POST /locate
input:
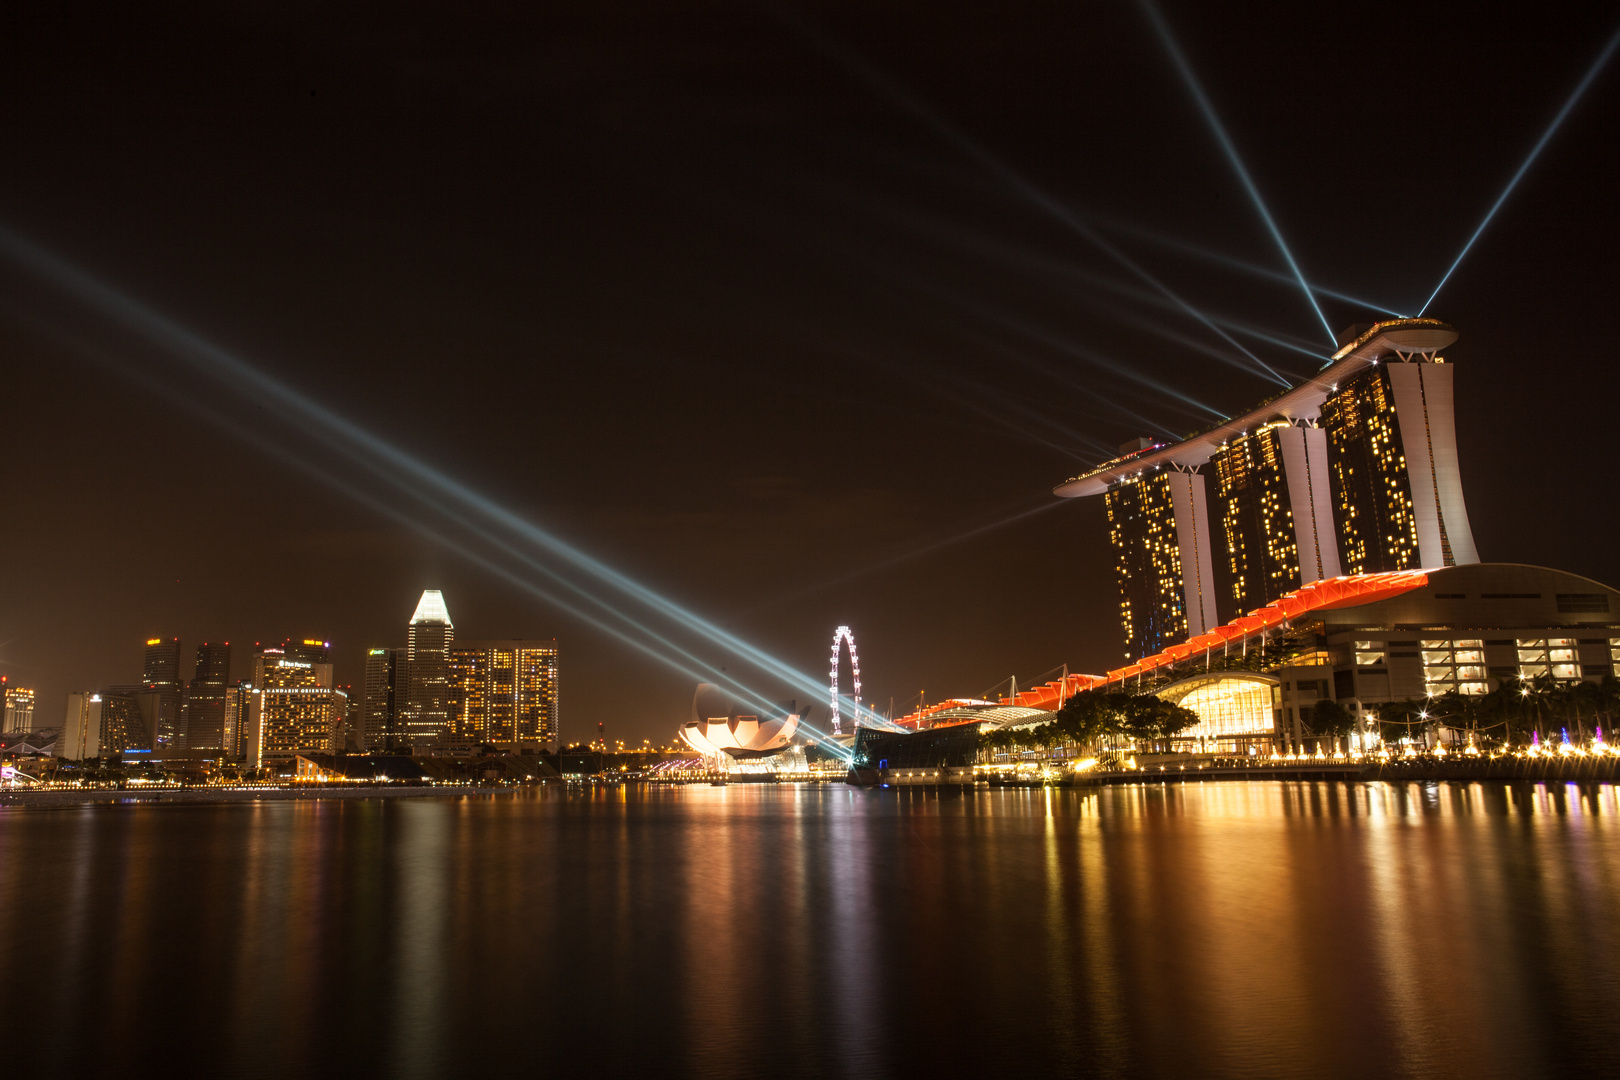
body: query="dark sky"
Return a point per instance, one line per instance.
(757, 303)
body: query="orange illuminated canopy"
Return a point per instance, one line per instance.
(1351, 591)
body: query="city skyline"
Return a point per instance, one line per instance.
(452, 452)
(971, 344)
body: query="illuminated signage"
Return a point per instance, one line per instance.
(154, 641)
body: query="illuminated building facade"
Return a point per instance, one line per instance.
(428, 641)
(205, 698)
(1353, 471)
(504, 693)
(1161, 557)
(1397, 496)
(1274, 514)
(469, 694)
(1363, 640)
(19, 706)
(294, 707)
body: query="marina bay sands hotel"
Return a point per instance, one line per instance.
(1352, 472)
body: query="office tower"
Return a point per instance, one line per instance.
(504, 693)
(238, 699)
(428, 648)
(353, 725)
(205, 698)
(1158, 526)
(468, 693)
(384, 691)
(1397, 490)
(529, 694)
(81, 729)
(294, 706)
(123, 721)
(19, 706)
(160, 680)
(1274, 513)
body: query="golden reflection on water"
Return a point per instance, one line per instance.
(1261, 929)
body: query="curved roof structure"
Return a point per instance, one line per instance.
(1396, 336)
(1350, 591)
(963, 711)
(719, 726)
(1472, 595)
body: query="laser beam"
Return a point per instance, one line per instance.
(1015, 180)
(1524, 167)
(1206, 107)
(1221, 258)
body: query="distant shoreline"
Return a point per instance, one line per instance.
(60, 799)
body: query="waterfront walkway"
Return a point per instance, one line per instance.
(1540, 769)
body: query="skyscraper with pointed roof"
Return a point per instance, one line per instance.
(427, 712)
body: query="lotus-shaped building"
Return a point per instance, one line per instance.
(720, 726)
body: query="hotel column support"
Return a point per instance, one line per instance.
(1423, 408)
(1187, 497)
(1305, 464)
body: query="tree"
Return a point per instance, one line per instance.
(1331, 720)
(1156, 721)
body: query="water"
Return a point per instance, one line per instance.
(1262, 929)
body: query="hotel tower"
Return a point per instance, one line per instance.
(1354, 471)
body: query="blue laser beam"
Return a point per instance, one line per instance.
(1015, 180)
(1080, 387)
(1206, 107)
(1221, 258)
(1530, 159)
(1034, 266)
(1091, 356)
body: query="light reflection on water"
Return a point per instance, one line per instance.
(1261, 929)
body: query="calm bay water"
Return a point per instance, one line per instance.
(1260, 929)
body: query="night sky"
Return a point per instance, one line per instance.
(761, 304)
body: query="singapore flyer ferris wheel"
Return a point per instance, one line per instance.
(841, 635)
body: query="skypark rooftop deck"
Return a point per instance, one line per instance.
(1393, 337)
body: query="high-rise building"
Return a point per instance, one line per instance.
(294, 706)
(469, 694)
(1397, 491)
(1158, 524)
(19, 707)
(238, 701)
(1274, 514)
(123, 720)
(205, 698)
(353, 735)
(1353, 471)
(81, 728)
(504, 693)
(428, 641)
(383, 699)
(160, 679)
(307, 652)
